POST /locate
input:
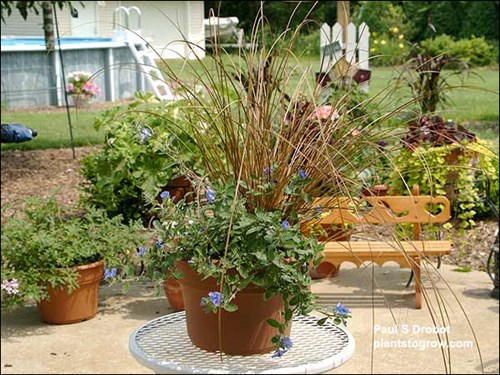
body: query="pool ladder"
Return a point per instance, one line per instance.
(143, 53)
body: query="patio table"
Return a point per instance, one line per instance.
(163, 345)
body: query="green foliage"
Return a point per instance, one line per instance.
(277, 13)
(265, 249)
(141, 155)
(473, 51)
(388, 48)
(435, 171)
(481, 19)
(42, 245)
(308, 44)
(382, 17)
(423, 74)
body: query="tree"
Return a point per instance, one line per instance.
(26, 7)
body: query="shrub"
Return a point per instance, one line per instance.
(473, 51)
(138, 159)
(388, 48)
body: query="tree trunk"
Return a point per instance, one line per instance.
(48, 25)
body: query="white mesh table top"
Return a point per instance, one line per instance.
(164, 346)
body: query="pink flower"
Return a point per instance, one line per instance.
(324, 112)
(11, 287)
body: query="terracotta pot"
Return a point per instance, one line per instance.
(326, 269)
(64, 308)
(244, 332)
(80, 101)
(173, 292)
(323, 271)
(452, 159)
(376, 190)
(178, 188)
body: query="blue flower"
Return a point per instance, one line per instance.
(268, 171)
(340, 309)
(141, 251)
(285, 224)
(382, 143)
(318, 210)
(202, 230)
(303, 175)
(110, 273)
(278, 353)
(287, 342)
(210, 195)
(165, 194)
(145, 134)
(204, 301)
(216, 298)
(159, 244)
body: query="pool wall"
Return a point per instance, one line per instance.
(32, 78)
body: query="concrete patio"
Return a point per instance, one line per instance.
(379, 322)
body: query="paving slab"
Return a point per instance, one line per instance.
(392, 337)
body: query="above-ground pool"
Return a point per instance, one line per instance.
(33, 78)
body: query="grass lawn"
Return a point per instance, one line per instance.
(53, 129)
(478, 102)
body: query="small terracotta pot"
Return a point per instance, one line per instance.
(173, 292)
(323, 271)
(64, 308)
(326, 269)
(376, 190)
(244, 332)
(178, 188)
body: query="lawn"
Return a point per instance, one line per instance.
(53, 129)
(475, 101)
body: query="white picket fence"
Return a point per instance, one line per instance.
(357, 48)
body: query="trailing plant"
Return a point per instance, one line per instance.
(42, 245)
(445, 159)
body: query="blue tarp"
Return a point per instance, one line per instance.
(17, 133)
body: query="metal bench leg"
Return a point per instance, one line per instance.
(410, 279)
(418, 282)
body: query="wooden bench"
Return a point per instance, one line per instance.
(392, 210)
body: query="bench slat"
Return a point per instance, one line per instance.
(373, 249)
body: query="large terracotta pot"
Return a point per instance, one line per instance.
(244, 332)
(173, 292)
(64, 308)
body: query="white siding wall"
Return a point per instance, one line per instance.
(165, 23)
(16, 25)
(33, 26)
(196, 33)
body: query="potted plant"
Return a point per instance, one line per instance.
(57, 259)
(142, 156)
(267, 149)
(256, 275)
(81, 88)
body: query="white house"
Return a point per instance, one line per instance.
(166, 24)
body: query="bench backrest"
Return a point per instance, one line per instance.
(385, 209)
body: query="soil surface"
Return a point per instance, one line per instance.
(40, 173)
